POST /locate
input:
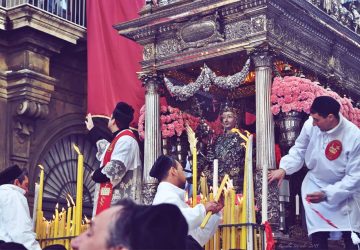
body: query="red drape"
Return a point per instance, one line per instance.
(112, 59)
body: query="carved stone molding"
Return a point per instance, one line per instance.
(32, 109)
(23, 130)
(148, 193)
(199, 32)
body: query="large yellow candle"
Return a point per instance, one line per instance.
(194, 177)
(232, 218)
(68, 224)
(56, 221)
(217, 197)
(39, 212)
(62, 225)
(79, 190)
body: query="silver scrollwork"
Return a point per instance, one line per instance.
(148, 193)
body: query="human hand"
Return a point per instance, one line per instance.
(89, 122)
(212, 206)
(316, 197)
(277, 174)
(219, 206)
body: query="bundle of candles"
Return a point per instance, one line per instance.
(61, 228)
(65, 224)
(233, 232)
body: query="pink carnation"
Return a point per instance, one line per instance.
(275, 109)
(163, 109)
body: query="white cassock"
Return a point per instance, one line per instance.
(15, 222)
(339, 178)
(169, 193)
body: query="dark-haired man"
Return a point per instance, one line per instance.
(330, 146)
(120, 159)
(172, 180)
(15, 222)
(128, 226)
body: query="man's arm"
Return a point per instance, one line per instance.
(124, 157)
(294, 160)
(94, 132)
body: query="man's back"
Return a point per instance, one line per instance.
(15, 221)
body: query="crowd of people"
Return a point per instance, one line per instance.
(329, 146)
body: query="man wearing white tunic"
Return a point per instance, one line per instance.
(120, 159)
(172, 180)
(330, 146)
(15, 222)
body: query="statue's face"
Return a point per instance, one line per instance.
(228, 120)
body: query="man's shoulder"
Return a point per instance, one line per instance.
(10, 192)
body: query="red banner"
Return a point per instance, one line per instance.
(112, 59)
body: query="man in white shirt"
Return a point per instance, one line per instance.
(15, 222)
(172, 180)
(329, 145)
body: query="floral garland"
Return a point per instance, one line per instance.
(204, 81)
(293, 93)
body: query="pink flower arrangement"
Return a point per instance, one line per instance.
(172, 121)
(293, 93)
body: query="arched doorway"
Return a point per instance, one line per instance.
(60, 163)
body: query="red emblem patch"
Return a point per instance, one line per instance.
(333, 150)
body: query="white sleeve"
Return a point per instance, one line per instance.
(202, 236)
(194, 215)
(20, 227)
(127, 151)
(350, 183)
(125, 156)
(294, 160)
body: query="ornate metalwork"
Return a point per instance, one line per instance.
(167, 48)
(199, 32)
(273, 199)
(237, 30)
(289, 125)
(150, 78)
(204, 81)
(148, 193)
(148, 52)
(347, 17)
(262, 57)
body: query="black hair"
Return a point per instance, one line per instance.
(324, 106)
(160, 169)
(119, 231)
(21, 177)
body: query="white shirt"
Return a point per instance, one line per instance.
(169, 193)
(339, 178)
(15, 222)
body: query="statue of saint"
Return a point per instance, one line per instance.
(230, 148)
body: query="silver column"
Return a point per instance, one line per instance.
(265, 140)
(152, 143)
